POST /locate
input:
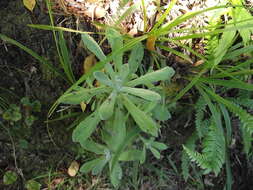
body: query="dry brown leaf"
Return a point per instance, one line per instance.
(88, 63)
(29, 4)
(150, 44)
(199, 62)
(73, 168)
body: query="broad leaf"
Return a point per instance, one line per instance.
(92, 45)
(92, 146)
(136, 57)
(163, 74)
(116, 41)
(84, 130)
(116, 175)
(103, 78)
(145, 123)
(106, 109)
(88, 166)
(81, 95)
(161, 112)
(143, 93)
(131, 155)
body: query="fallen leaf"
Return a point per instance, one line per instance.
(29, 4)
(88, 63)
(73, 168)
(200, 62)
(83, 106)
(150, 44)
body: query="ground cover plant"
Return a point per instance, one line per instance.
(127, 106)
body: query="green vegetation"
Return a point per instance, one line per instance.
(120, 108)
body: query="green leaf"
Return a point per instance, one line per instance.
(99, 166)
(102, 78)
(116, 41)
(32, 185)
(116, 129)
(106, 109)
(92, 45)
(143, 155)
(143, 93)
(10, 177)
(81, 94)
(124, 72)
(161, 113)
(116, 175)
(145, 123)
(88, 166)
(155, 152)
(136, 57)
(163, 74)
(159, 146)
(92, 146)
(84, 130)
(131, 155)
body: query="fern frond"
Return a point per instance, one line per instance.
(247, 139)
(185, 161)
(199, 116)
(213, 154)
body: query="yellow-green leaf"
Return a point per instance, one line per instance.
(29, 4)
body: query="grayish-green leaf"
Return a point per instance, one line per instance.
(163, 74)
(92, 45)
(145, 123)
(131, 155)
(161, 112)
(80, 95)
(103, 78)
(106, 109)
(88, 166)
(116, 41)
(116, 175)
(84, 130)
(136, 57)
(142, 93)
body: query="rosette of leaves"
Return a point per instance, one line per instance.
(123, 104)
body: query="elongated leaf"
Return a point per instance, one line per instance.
(84, 130)
(92, 146)
(145, 123)
(88, 166)
(143, 93)
(117, 130)
(82, 94)
(159, 146)
(136, 57)
(124, 72)
(229, 83)
(103, 78)
(66, 64)
(106, 109)
(116, 175)
(163, 74)
(92, 45)
(131, 155)
(116, 41)
(99, 166)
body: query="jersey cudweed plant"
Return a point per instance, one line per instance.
(122, 124)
